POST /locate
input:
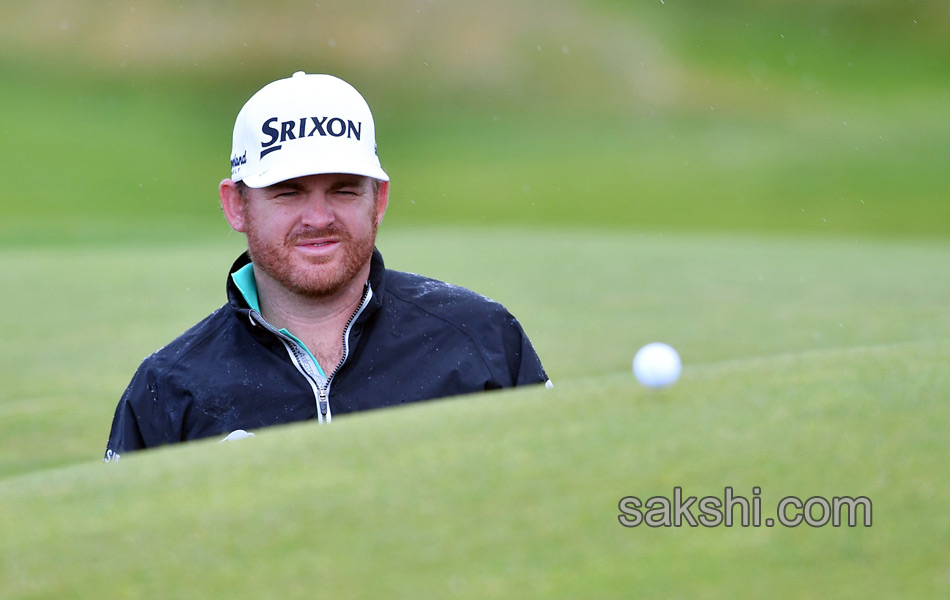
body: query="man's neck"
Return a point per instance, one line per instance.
(317, 322)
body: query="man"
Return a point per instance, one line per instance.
(315, 325)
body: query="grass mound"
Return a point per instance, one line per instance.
(516, 494)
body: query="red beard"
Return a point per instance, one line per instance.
(312, 277)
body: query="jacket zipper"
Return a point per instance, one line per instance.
(321, 393)
(324, 400)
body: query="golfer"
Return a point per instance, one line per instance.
(315, 325)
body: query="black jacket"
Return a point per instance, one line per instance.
(414, 338)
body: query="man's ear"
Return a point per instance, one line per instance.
(382, 201)
(232, 204)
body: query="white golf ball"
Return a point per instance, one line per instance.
(657, 365)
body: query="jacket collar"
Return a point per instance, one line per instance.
(235, 297)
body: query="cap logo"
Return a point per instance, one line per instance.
(237, 161)
(282, 131)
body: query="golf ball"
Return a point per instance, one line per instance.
(657, 365)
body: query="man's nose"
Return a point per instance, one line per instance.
(317, 212)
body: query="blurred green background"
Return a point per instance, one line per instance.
(825, 118)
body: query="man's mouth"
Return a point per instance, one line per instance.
(318, 245)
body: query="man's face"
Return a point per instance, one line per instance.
(313, 235)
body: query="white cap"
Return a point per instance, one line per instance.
(304, 125)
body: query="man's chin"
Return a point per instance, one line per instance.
(316, 281)
(311, 287)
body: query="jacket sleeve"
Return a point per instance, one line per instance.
(135, 426)
(524, 365)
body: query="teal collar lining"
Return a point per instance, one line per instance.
(246, 284)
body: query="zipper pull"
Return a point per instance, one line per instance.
(324, 407)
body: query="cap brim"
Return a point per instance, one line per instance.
(291, 169)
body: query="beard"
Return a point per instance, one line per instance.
(311, 277)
